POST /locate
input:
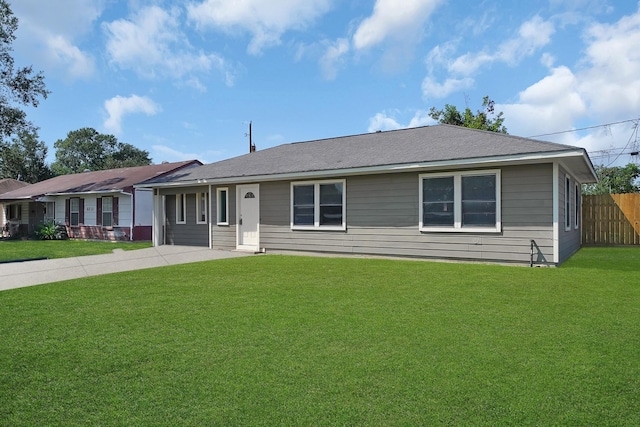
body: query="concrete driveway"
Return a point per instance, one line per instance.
(29, 273)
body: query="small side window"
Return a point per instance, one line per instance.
(222, 206)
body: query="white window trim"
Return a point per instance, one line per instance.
(182, 196)
(457, 203)
(71, 212)
(218, 211)
(567, 203)
(199, 198)
(105, 211)
(316, 206)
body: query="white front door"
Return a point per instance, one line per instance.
(248, 217)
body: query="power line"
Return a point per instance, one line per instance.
(586, 128)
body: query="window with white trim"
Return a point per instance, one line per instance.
(460, 201)
(203, 208)
(567, 203)
(318, 205)
(222, 196)
(74, 211)
(181, 208)
(107, 211)
(49, 211)
(577, 205)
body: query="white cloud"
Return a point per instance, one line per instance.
(152, 44)
(382, 121)
(48, 31)
(119, 106)
(532, 35)
(610, 78)
(333, 57)
(604, 87)
(390, 20)
(65, 54)
(266, 21)
(166, 153)
(552, 104)
(387, 121)
(433, 89)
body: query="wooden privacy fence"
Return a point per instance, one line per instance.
(611, 219)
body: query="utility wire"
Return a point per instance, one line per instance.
(631, 137)
(589, 127)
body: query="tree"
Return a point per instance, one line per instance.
(481, 120)
(17, 85)
(25, 158)
(615, 180)
(86, 148)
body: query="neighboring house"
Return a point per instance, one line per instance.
(92, 205)
(440, 191)
(6, 185)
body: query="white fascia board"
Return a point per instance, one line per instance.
(368, 170)
(88, 192)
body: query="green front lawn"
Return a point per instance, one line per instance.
(11, 250)
(285, 340)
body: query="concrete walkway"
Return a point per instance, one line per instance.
(29, 273)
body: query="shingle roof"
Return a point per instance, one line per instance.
(400, 147)
(99, 181)
(9, 184)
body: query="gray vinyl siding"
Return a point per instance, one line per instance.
(382, 219)
(224, 236)
(569, 240)
(189, 234)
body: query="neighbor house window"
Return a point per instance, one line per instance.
(577, 205)
(181, 208)
(49, 211)
(460, 201)
(318, 205)
(567, 203)
(15, 212)
(74, 211)
(222, 206)
(203, 208)
(107, 211)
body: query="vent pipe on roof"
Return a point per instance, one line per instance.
(252, 147)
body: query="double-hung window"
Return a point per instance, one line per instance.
(49, 212)
(222, 206)
(460, 201)
(203, 208)
(318, 205)
(181, 208)
(74, 211)
(107, 211)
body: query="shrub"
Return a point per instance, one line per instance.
(48, 231)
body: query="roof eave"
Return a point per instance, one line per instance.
(405, 167)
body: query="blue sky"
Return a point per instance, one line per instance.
(183, 79)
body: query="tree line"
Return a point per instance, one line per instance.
(24, 157)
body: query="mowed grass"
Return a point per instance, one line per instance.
(285, 340)
(11, 250)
